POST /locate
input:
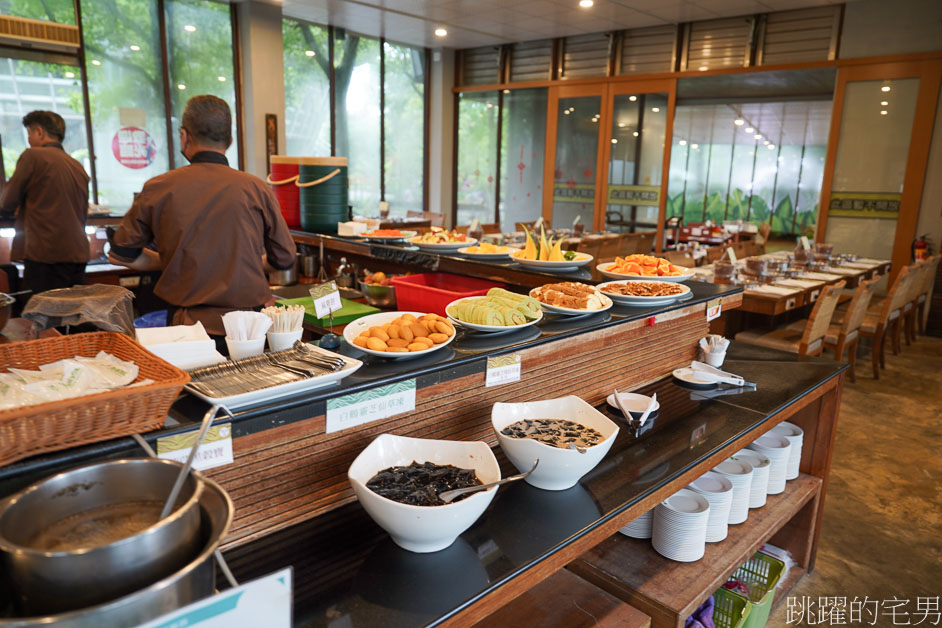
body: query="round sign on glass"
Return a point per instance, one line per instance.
(133, 147)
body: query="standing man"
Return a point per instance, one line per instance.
(216, 230)
(49, 193)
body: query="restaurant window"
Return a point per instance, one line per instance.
(125, 89)
(199, 49)
(404, 127)
(59, 11)
(307, 88)
(30, 85)
(477, 156)
(523, 143)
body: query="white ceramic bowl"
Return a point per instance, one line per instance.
(559, 469)
(423, 529)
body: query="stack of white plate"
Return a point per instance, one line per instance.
(761, 465)
(739, 474)
(718, 490)
(777, 449)
(795, 436)
(680, 525)
(640, 528)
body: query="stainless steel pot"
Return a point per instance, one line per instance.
(6, 308)
(56, 581)
(287, 277)
(195, 581)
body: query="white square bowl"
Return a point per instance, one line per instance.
(559, 469)
(423, 529)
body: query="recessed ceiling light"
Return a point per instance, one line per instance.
(506, 91)
(739, 122)
(682, 142)
(222, 79)
(181, 86)
(586, 4)
(750, 130)
(703, 68)
(758, 136)
(632, 98)
(885, 88)
(189, 28)
(656, 109)
(622, 125)
(595, 119)
(884, 103)
(70, 75)
(695, 146)
(635, 134)
(134, 47)
(440, 32)
(309, 53)
(96, 62)
(567, 112)
(883, 113)
(766, 142)
(614, 141)
(771, 146)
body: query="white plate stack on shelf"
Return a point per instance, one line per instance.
(680, 525)
(761, 465)
(777, 449)
(640, 528)
(795, 436)
(718, 490)
(739, 474)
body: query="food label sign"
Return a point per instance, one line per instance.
(133, 147)
(714, 308)
(326, 299)
(503, 369)
(214, 451)
(370, 405)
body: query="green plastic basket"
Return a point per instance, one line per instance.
(730, 609)
(761, 573)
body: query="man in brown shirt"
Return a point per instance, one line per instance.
(216, 230)
(49, 193)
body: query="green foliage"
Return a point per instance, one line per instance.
(738, 205)
(760, 210)
(59, 11)
(675, 205)
(783, 217)
(716, 208)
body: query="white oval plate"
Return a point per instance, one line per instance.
(581, 260)
(689, 377)
(493, 329)
(602, 268)
(555, 309)
(624, 299)
(504, 255)
(352, 330)
(442, 246)
(405, 235)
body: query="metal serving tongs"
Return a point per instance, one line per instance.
(705, 371)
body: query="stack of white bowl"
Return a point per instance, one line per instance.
(777, 449)
(739, 474)
(640, 528)
(761, 465)
(718, 490)
(680, 525)
(795, 436)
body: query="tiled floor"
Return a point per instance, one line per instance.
(882, 528)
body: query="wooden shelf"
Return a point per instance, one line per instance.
(670, 591)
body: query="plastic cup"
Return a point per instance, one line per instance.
(714, 358)
(281, 341)
(239, 349)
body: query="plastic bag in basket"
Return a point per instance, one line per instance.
(104, 306)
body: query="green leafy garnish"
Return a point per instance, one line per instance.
(569, 255)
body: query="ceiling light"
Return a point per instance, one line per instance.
(622, 125)
(489, 105)
(595, 119)
(632, 98)
(885, 88)
(883, 113)
(656, 109)
(506, 91)
(222, 79)
(750, 130)
(766, 142)
(703, 68)
(586, 4)
(614, 141)
(440, 32)
(635, 134)
(695, 146)
(884, 103)
(309, 53)
(771, 146)
(96, 62)
(758, 136)
(739, 122)
(135, 47)
(70, 75)
(567, 112)
(181, 86)
(682, 142)
(189, 28)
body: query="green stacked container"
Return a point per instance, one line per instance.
(730, 609)
(326, 203)
(761, 574)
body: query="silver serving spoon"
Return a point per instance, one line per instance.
(578, 448)
(449, 496)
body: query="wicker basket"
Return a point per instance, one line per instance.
(56, 425)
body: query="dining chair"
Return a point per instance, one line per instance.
(714, 253)
(679, 258)
(764, 230)
(591, 245)
(438, 220)
(529, 225)
(628, 245)
(810, 339)
(844, 332)
(925, 291)
(884, 314)
(646, 242)
(609, 247)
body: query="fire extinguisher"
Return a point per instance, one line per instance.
(921, 248)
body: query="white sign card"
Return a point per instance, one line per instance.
(503, 369)
(215, 450)
(326, 298)
(263, 602)
(714, 308)
(370, 405)
(804, 243)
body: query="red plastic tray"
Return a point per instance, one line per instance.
(431, 292)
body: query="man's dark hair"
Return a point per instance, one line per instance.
(49, 121)
(208, 120)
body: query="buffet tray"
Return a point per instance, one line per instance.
(256, 380)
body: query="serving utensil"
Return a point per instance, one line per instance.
(578, 448)
(647, 411)
(449, 496)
